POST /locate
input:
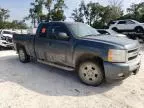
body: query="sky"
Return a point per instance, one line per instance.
(20, 8)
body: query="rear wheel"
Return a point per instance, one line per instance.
(139, 30)
(90, 73)
(23, 57)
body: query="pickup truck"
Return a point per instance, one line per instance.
(77, 46)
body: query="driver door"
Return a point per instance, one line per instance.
(122, 25)
(60, 47)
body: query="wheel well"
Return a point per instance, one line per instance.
(138, 27)
(114, 28)
(89, 57)
(18, 46)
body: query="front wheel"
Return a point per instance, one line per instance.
(90, 73)
(115, 29)
(23, 57)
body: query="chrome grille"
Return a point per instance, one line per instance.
(132, 54)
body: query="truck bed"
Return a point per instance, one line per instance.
(23, 37)
(25, 40)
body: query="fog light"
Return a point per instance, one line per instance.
(121, 75)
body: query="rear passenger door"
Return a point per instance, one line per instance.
(130, 24)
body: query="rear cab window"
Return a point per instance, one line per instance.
(43, 31)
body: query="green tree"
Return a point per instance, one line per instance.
(77, 15)
(48, 5)
(13, 25)
(136, 12)
(88, 13)
(55, 10)
(35, 12)
(58, 11)
(97, 15)
(4, 14)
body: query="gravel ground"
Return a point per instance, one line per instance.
(35, 85)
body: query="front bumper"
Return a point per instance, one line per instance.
(118, 71)
(10, 45)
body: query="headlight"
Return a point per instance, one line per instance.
(116, 55)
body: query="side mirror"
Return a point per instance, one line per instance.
(63, 36)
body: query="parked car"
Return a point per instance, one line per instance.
(7, 35)
(127, 26)
(111, 32)
(5, 45)
(77, 46)
(6, 39)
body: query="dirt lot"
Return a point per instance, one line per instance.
(36, 85)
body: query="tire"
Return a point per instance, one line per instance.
(90, 73)
(23, 57)
(139, 30)
(115, 29)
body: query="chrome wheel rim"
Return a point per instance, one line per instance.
(90, 73)
(21, 55)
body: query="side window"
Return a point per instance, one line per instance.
(59, 33)
(111, 23)
(130, 22)
(122, 22)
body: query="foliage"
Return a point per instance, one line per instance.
(77, 15)
(95, 14)
(136, 12)
(13, 25)
(4, 24)
(4, 14)
(55, 11)
(35, 12)
(91, 13)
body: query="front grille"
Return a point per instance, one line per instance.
(131, 58)
(132, 54)
(132, 50)
(8, 39)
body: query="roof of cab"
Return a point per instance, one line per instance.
(64, 22)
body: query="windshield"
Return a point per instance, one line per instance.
(82, 30)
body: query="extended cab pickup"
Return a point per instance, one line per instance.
(78, 46)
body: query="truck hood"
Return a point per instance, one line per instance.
(120, 41)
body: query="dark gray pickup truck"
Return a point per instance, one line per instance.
(79, 47)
